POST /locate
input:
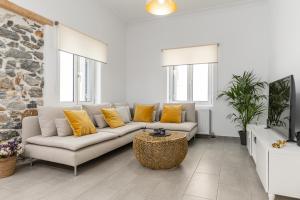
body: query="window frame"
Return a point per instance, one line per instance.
(170, 85)
(76, 77)
(93, 65)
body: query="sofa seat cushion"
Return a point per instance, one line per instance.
(123, 130)
(186, 126)
(71, 142)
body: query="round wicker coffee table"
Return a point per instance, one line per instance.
(160, 152)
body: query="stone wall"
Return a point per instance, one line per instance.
(21, 70)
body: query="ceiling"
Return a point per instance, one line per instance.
(134, 10)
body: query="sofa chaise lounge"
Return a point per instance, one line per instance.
(73, 151)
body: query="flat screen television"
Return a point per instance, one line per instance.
(281, 112)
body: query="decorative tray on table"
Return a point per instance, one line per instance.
(160, 133)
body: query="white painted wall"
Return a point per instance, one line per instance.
(285, 48)
(96, 21)
(242, 32)
(134, 73)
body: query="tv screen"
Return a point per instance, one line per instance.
(281, 103)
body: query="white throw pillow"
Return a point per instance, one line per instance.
(124, 113)
(100, 122)
(63, 127)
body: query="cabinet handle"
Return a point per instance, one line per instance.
(255, 140)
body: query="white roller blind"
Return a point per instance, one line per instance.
(190, 55)
(78, 43)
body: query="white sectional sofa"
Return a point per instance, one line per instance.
(73, 151)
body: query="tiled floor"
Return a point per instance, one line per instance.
(214, 169)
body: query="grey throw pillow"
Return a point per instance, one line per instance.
(63, 127)
(100, 122)
(124, 112)
(95, 109)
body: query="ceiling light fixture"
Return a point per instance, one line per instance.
(161, 7)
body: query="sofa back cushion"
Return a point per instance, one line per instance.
(95, 109)
(115, 105)
(47, 116)
(190, 111)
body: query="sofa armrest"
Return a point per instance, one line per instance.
(30, 128)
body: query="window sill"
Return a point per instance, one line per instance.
(75, 104)
(199, 106)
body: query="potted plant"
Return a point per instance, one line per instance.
(245, 96)
(9, 151)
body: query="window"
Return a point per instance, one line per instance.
(190, 73)
(80, 61)
(85, 79)
(77, 78)
(191, 83)
(180, 84)
(66, 77)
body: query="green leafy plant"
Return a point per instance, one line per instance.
(245, 96)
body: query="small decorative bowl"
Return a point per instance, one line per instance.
(160, 133)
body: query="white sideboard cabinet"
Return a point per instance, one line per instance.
(278, 169)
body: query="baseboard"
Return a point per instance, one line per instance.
(199, 135)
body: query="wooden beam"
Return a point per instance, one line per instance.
(25, 12)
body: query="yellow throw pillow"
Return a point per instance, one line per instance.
(171, 114)
(80, 122)
(143, 113)
(112, 117)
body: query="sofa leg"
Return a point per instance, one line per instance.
(193, 139)
(75, 170)
(31, 162)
